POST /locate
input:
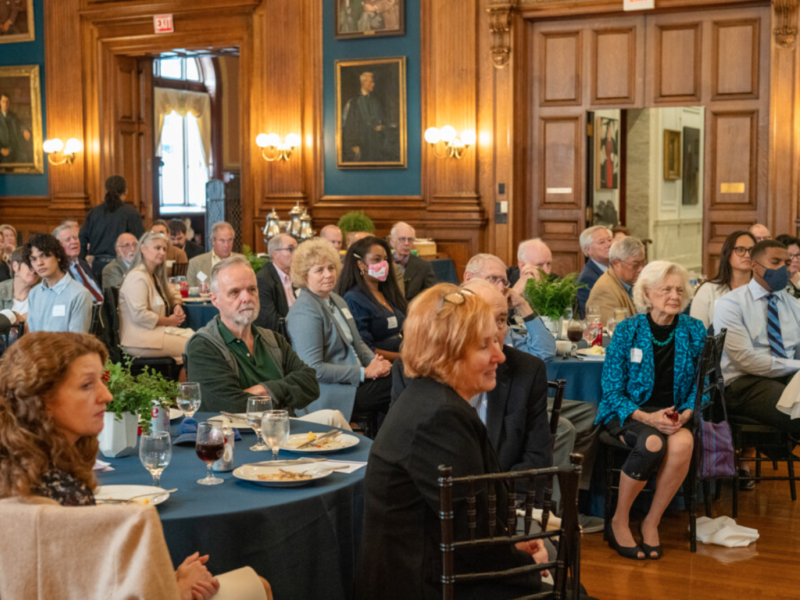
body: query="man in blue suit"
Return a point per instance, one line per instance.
(595, 243)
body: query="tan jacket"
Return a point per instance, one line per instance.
(609, 293)
(140, 306)
(176, 254)
(201, 264)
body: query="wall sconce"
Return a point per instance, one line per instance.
(68, 152)
(272, 148)
(454, 146)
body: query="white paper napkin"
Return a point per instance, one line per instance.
(100, 465)
(789, 402)
(352, 466)
(724, 531)
(202, 276)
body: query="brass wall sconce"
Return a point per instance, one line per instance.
(453, 146)
(273, 148)
(58, 153)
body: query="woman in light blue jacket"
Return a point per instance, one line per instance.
(648, 397)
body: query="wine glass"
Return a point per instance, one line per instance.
(209, 448)
(275, 427)
(188, 398)
(256, 407)
(592, 311)
(611, 325)
(620, 314)
(574, 334)
(155, 452)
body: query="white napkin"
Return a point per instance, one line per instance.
(202, 276)
(789, 402)
(352, 466)
(100, 465)
(724, 531)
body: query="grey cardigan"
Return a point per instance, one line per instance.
(321, 344)
(7, 294)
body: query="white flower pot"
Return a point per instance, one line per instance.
(119, 437)
(554, 326)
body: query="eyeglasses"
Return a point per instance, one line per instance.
(742, 251)
(455, 298)
(405, 240)
(289, 249)
(495, 279)
(639, 264)
(794, 257)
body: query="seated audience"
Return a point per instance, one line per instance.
(52, 406)
(760, 232)
(763, 323)
(14, 292)
(222, 236)
(532, 256)
(433, 423)
(275, 291)
(614, 288)
(177, 237)
(58, 303)
(376, 303)
(333, 234)
(324, 335)
(115, 271)
(418, 273)
(150, 311)
(8, 238)
(648, 398)
(793, 247)
(78, 269)
(174, 255)
(735, 270)
(619, 231)
(595, 242)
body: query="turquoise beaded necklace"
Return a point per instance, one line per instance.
(665, 342)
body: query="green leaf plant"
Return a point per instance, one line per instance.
(551, 296)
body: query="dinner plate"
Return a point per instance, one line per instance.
(586, 355)
(240, 422)
(251, 473)
(340, 442)
(197, 300)
(123, 492)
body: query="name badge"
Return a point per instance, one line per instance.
(159, 301)
(636, 355)
(60, 310)
(391, 322)
(346, 313)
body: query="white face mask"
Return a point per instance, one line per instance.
(379, 271)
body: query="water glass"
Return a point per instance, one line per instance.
(592, 311)
(209, 448)
(275, 428)
(611, 325)
(256, 407)
(620, 314)
(155, 452)
(188, 398)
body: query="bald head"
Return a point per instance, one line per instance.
(360, 235)
(126, 247)
(760, 232)
(333, 234)
(535, 253)
(402, 239)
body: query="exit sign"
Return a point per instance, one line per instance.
(639, 4)
(163, 24)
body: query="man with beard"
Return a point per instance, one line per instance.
(115, 271)
(232, 359)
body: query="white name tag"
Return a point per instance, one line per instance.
(159, 301)
(346, 313)
(636, 355)
(391, 322)
(60, 310)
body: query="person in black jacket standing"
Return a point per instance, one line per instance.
(275, 291)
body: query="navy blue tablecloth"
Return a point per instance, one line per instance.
(445, 270)
(303, 540)
(198, 314)
(583, 378)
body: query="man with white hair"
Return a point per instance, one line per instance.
(222, 236)
(418, 274)
(614, 288)
(115, 271)
(79, 269)
(333, 234)
(232, 359)
(275, 292)
(533, 256)
(760, 232)
(595, 243)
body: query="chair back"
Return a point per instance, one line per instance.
(559, 386)
(95, 324)
(505, 534)
(15, 332)
(180, 269)
(708, 376)
(111, 319)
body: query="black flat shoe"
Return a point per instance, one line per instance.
(649, 550)
(629, 552)
(746, 484)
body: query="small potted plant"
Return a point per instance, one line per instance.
(551, 297)
(255, 261)
(353, 222)
(132, 405)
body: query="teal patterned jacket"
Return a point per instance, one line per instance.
(627, 384)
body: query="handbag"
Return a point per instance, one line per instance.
(715, 457)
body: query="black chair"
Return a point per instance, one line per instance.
(558, 398)
(96, 321)
(367, 421)
(16, 331)
(708, 380)
(504, 534)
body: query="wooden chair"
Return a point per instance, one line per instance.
(180, 269)
(568, 557)
(558, 398)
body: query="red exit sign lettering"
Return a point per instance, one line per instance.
(639, 4)
(163, 24)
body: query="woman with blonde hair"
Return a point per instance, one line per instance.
(8, 238)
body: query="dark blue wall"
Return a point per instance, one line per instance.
(358, 182)
(24, 54)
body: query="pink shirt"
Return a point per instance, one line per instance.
(287, 286)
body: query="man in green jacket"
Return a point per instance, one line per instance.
(232, 359)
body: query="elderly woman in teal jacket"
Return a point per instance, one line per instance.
(648, 397)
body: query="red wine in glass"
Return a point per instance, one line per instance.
(209, 452)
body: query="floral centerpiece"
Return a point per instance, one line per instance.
(551, 297)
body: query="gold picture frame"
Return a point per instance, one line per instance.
(21, 129)
(357, 19)
(672, 155)
(371, 120)
(20, 13)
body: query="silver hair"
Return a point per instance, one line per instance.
(219, 225)
(587, 236)
(478, 262)
(398, 224)
(160, 272)
(57, 231)
(524, 245)
(652, 275)
(363, 77)
(232, 261)
(625, 248)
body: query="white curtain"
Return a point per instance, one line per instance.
(184, 103)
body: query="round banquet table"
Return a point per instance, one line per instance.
(303, 540)
(584, 378)
(198, 314)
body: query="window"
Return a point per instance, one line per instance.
(186, 69)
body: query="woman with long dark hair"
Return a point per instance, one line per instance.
(734, 271)
(368, 286)
(106, 222)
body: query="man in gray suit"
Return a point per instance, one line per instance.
(222, 235)
(418, 274)
(115, 271)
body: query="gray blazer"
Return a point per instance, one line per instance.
(321, 344)
(114, 273)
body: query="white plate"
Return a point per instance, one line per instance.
(175, 413)
(123, 492)
(587, 356)
(195, 299)
(342, 441)
(251, 472)
(240, 422)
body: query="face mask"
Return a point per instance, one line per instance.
(379, 271)
(776, 279)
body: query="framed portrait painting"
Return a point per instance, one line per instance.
(371, 113)
(691, 166)
(607, 153)
(672, 155)
(369, 18)
(20, 121)
(16, 21)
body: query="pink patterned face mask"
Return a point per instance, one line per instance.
(379, 271)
